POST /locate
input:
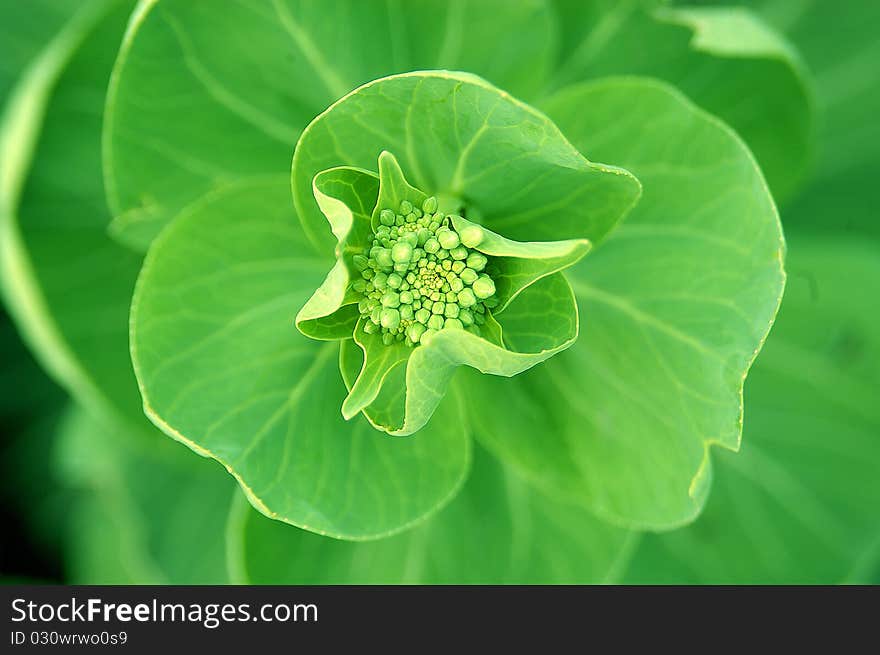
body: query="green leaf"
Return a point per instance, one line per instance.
(144, 510)
(222, 369)
(531, 339)
(799, 505)
(68, 286)
(345, 196)
(177, 87)
(472, 146)
(499, 530)
(724, 58)
(675, 305)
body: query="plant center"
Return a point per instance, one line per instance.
(420, 276)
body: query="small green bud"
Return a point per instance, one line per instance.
(380, 281)
(389, 318)
(423, 235)
(435, 322)
(427, 304)
(359, 285)
(432, 245)
(466, 298)
(456, 285)
(411, 217)
(422, 315)
(438, 307)
(414, 332)
(383, 231)
(465, 316)
(370, 327)
(484, 287)
(386, 217)
(390, 299)
(452, 323)
(451, 310)
(459, 253)
(360, 262)
(472, 235)
(406, 312)
(476, 261)
(457, 267)
(387, 338)
(383, 258)
(406, 207)
(430, 205)
(401, 252)
(394, 281)
(376, 315)
(399, 221)
(442, 254)
(406, 298)
(448, 239)
(451, 296)
(469, 276)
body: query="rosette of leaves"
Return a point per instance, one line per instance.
(421, 292)
(674, 303)
(507, 168)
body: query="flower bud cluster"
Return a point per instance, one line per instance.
(421, 276)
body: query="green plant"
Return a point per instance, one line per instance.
(445, 329)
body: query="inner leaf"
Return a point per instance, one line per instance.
(407, 271)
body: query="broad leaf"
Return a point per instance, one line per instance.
(67, 284)
(222, 369)
(675, 305)
(185, 77)
(472, 146)
(799, 504)
(725, 59)
(499, 530)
